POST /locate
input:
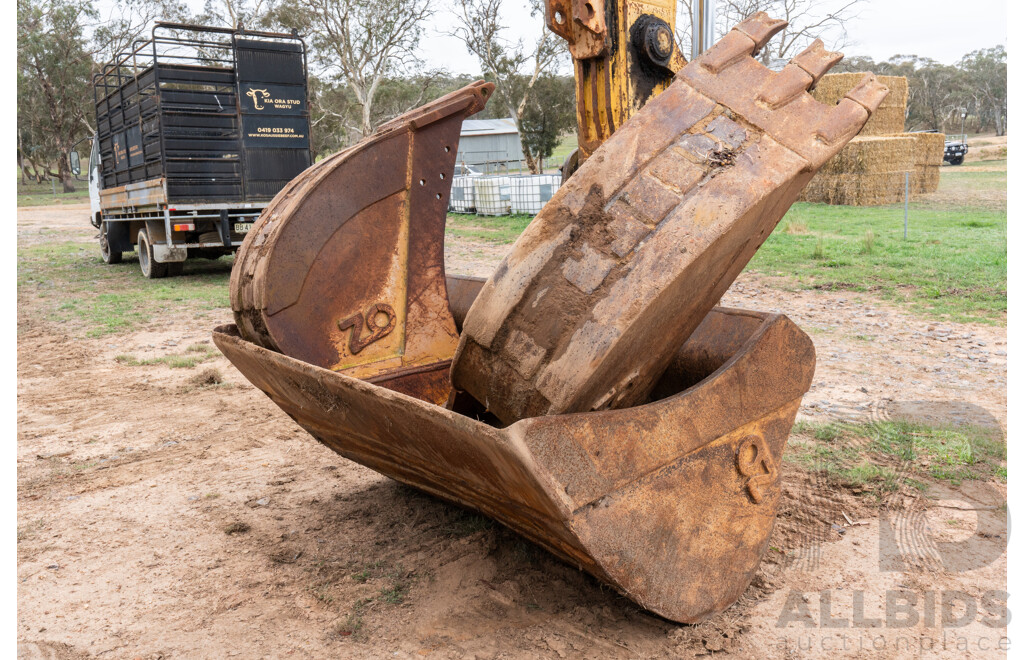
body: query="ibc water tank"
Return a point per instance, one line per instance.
(462, 195)
(492, 195)
(530, 193)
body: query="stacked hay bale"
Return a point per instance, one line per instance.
(887, 119)
(930, 149)
(870, 170)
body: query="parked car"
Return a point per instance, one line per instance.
(956, 149)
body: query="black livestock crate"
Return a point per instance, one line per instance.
(221, 115)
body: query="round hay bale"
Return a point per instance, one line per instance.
(890, 115)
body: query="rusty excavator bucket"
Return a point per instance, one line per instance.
(588, 395)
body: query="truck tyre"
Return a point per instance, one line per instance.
(959, 160)
(110, 255)
(151, 269)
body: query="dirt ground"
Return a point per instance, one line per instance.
(163, 515)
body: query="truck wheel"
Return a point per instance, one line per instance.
(109, 256)
(151, 269)
(959, 160)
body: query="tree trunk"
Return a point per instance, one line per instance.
(531, 162)
(66, 178)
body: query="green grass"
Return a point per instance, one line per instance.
(71, 285)
(951, 267)
(41, 194)
(565, 147)
(172, 361)
(501, 230)
(882, 457)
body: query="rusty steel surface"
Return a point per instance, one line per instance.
(345, 267)
(629, 256)
(140, 195)
(672, 502)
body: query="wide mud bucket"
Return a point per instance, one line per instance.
(671, 502)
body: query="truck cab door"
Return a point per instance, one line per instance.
(94, 178)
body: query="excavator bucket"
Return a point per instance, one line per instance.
(634, 250)
(655, 467)
(345, 267)
(671, 502)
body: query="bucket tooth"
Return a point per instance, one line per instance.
(745, 39)
(786, 86)
(760, 28)
(817, 61)
(846, 119)
(801, 74)
(633, 251)
(345, 267)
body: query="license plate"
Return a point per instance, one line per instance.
(242, 227)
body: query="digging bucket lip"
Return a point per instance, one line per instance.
(229, 332)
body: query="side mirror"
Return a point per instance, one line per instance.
(75, 162)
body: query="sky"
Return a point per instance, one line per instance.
(944, 30)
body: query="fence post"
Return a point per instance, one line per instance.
(906, 202)
(53, 184)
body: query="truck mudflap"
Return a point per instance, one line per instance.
(671, 502)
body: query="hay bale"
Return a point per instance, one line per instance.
(858, 189)
(873, 154)
(925, 179)
(890, 115)
(870, 170)
(929, 149)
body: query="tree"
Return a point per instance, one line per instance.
(549, 114)
(514, 68)
(54, 66)
(984, 83)
(360, 42)
(236, 13)
(808, 20)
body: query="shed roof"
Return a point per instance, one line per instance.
(488, 126)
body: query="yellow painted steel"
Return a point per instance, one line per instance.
(613, 77)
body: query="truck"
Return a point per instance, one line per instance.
(197, 129)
